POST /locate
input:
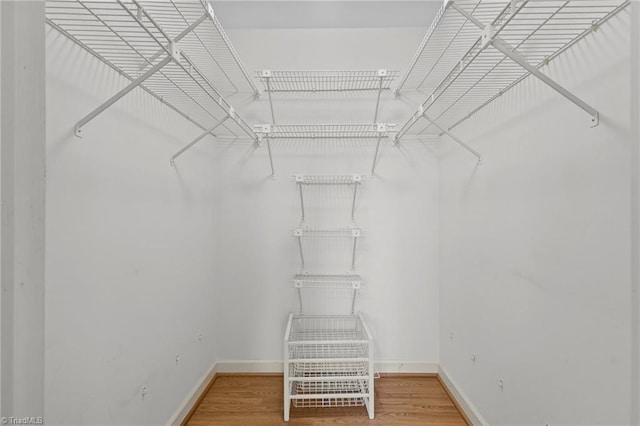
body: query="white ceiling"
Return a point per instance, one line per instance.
(326, 13)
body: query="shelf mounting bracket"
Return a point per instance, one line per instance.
(453, 137)
(490, 37)
(209, 131)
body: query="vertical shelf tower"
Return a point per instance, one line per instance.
(328, 359)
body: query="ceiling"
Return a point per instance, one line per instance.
(326, 13)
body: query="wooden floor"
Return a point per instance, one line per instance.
(258, 400)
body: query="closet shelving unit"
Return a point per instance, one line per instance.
(305, 180)
(328, 359)
(345, 132)
(177, 52)
(476, 50)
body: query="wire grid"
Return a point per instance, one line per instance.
(130, 40)
(539, 31)
(328, 369)
(328, 351)
(328, 281)
(208, 46)
(327, 131)
(327, 232)
(328, 179)
(339, 394)
(326, 81)
(326, 328)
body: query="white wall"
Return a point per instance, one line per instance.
(22, 204)
(535, 247)
(130, 251)
(397, 208)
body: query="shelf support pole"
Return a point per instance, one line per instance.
(273, 172)
(353, 203)
(381, 75)
(375, 157)
(198, 139)
(454, 137)
(135, 83)
(301, 200)
(300, 248)
(353, 256)
(273, 117)
(490, 38)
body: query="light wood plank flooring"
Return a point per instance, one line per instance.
(258, 400)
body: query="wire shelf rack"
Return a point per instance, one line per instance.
(328, 281)
(325, 131)
(326, 232)
(476, 50)
(328, 179)
(176, 51)
(326, 81)
(328, 362)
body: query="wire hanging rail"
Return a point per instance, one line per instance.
(475, 50)
(303, 180)
(378, 132)
(376, 81)
(354, 233)
(176, 51)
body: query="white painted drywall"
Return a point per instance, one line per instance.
(23, 206)
(535, 247)
(397, 208)
(130, 251)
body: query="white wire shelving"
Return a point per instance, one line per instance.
(176, 51)
(476, 50)
(303, 180)
(341, 282)
(299, 81)
(328, 362)
(317, 132)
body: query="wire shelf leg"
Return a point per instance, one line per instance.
(115, 98)
(273, 172)
(300, 299)
(375, 159)
(353, 256)
(301, 255)
(198, 139)
(273, 117)
(375, 117)
(353, 203)
(301, 200)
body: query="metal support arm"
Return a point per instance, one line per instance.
(454, 137)
(135, 83)
(198, 139)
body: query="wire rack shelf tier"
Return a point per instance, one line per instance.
(328, 362)
(327, 281)
(476, 50)
(326, 81)
(328, 179)
(325, 131)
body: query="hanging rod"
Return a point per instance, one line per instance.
(476, 50)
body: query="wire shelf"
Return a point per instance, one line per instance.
(327, 328)
(326, 81)
(325, 131)
(328, 281)
(464, 73)
(329, 369)
(175, 50)
(328, 179)
(329, 233)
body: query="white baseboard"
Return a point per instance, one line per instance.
(419, 367)
(254, 366)
(469, 409)
(249, 366)
(184, 409)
